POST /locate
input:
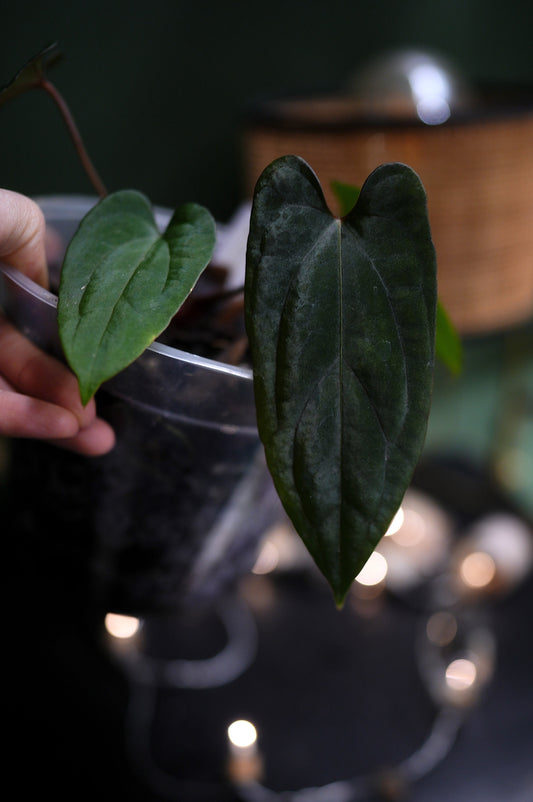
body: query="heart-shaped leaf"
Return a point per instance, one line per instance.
(122, 282)
(341, 320)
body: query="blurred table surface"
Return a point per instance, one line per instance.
(333, 694)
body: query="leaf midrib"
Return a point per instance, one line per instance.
(118, 300)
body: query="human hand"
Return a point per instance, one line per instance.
(39, 397)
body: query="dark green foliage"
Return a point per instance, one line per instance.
(341, 319)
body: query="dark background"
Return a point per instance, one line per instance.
(160, 89)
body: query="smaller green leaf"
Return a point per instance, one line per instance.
(346, 195)
(448, 346)
(122, 282)
(31, 73)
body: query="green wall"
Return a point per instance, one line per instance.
(159, 88)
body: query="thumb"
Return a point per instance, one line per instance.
(22, 229)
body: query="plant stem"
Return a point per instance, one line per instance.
(75, 135)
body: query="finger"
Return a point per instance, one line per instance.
(32, 372)
(96, 440)
(22, 229)
(22, 416)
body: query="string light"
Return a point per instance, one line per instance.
(374, 571)
(441, 628)
(477, 570)
(412, 529)
(396, 523)
(461, 674)
(458, 656)
(495, 554)
(242, 735)
(416, 543)
(281, 550)
(121, 626)
(245, 763)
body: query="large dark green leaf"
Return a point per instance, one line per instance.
(341, 320)
(448, 346)
(122, 282)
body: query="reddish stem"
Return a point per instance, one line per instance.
(75, 135)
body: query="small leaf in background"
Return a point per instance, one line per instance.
(346, 195)
(31, 73)
(448, 346)
(340, 316)
(122, 282)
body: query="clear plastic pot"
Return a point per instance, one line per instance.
(174, 513)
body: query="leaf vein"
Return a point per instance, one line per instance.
(121, 298)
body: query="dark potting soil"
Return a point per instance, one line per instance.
(211, 321)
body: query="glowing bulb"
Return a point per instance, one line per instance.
(245, 764)
(412, 531)
(267, 559)
(396, 523)
(374, 570)
(461, 674)
(242, 734)
(121, 626)
(441, 628)
(507, 540)
(478, 569)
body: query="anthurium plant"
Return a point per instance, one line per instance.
(340, 316)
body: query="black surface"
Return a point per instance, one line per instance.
(333, 695)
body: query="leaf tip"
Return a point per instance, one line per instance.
(340, 595)
(87, 391)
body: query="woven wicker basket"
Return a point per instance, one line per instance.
(478, 175)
